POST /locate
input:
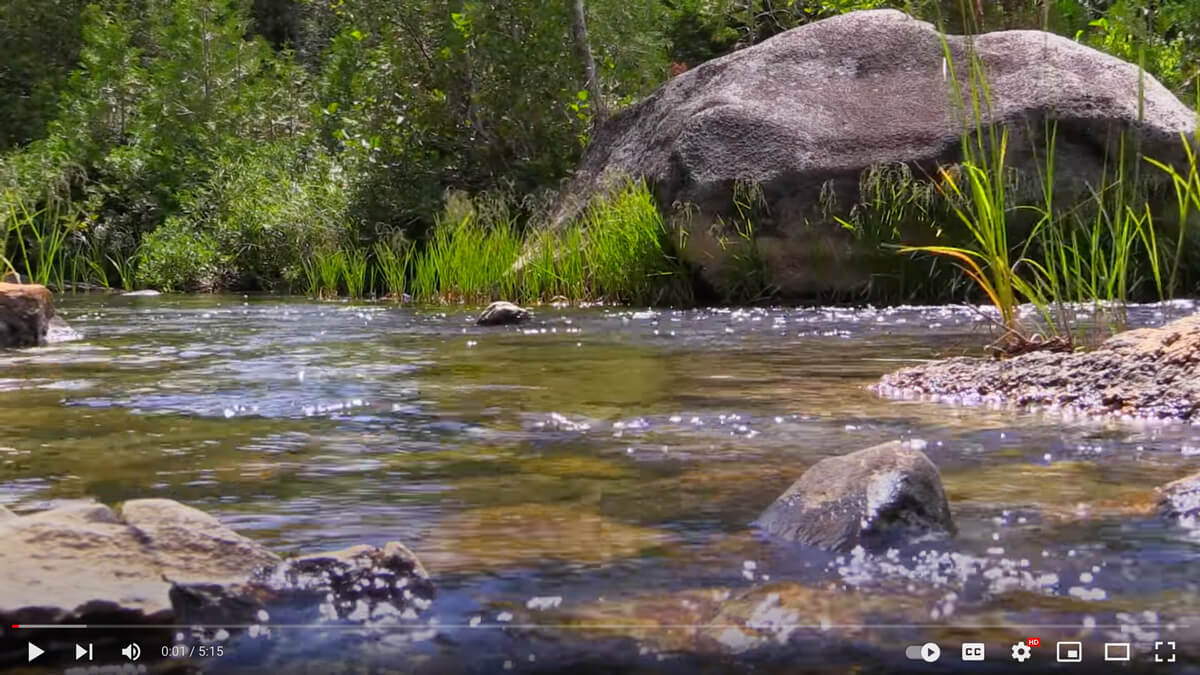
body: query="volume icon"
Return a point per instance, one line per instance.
(132, 651)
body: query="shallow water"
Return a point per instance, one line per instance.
(581, 487)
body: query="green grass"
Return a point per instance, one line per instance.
(355, 272)
(1186, 187)
(619, 250)
(40, 235)
(393, 264)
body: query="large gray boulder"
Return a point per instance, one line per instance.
(878, 497)
(807, 112)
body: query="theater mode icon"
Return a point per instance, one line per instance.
(972, 651)
(1116, 651)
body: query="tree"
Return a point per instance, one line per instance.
(579, 34)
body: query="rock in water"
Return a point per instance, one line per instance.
(502, 314)
(60, 331)
(1180, 499)
(83, 561)
(872, 497)
(361, 583)
(25, 314)
(159, 562)
(807, 112)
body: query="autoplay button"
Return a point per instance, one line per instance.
(930, 652)
(35, 651)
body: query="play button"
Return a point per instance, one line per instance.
(930, 652)
(35, 651)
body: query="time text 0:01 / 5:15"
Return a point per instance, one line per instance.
(193, 651)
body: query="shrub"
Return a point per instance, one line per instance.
(177, 257)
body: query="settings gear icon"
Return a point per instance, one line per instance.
(1020, 652)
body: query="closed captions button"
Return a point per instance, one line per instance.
(972, 651)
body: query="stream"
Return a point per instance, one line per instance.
(581, 487)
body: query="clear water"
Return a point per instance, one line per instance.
(593, 475)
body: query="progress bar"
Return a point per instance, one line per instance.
(1172, 627)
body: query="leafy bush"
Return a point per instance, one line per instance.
(177, 257)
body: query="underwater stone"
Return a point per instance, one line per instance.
(875, 498)
(1180, 499)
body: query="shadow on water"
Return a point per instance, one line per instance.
(581, 487)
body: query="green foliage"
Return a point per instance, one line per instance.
(393, 265)
(176, 257)
(743, 276)
(471, 253)
(1162, 35)
(355, 273)
(268, 209)
(234, 143)
(705, 29)
(629, 251)
(1186, 186)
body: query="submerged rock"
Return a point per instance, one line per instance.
(60, 331)
(808, 115)
(872, 498)
(25, 314)
(1147, 373)
(361, 583)
(1181, 500)
(147, 293)
(502, 313)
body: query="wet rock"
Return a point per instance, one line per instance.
(148, 293)
(157, 561)
(1148, 373)
(873, 497)
(807, 114)
(25, 314)
(60, 331)
(85, 560)
(361, 583)
(1181, 500)
(502, 314)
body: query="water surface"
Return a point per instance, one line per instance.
(581, 487)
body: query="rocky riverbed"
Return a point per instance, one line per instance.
(1146, 374)
(580, 488)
